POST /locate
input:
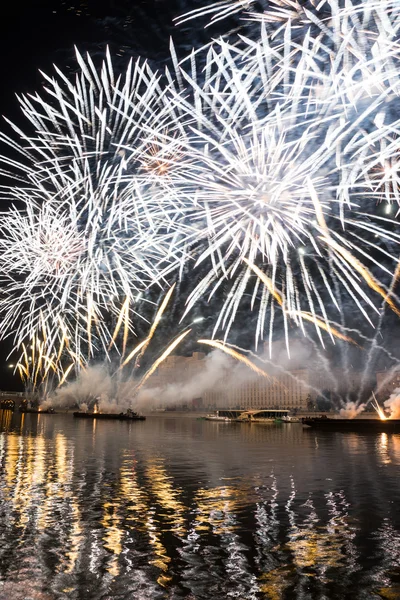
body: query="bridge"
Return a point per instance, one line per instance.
(13, 395)
(16, 396)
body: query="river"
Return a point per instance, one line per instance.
(175, 507)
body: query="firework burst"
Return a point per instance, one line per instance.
(276, 181)
(91, 223)
(263, 168)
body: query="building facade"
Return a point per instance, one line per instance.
(190, 382)
(279, 390)
(282, 390)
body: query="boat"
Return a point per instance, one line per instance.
(361, 425)
(128, 416)
(263, 416)
(224, 415)
(220, 419)
(291, 419)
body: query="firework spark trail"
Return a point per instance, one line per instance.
(373, 343)
(219, 10)
(378, 409)
(66, 373)
(277, 11)
(122, 318)
(322, 324)
(133, 353)
(156, 321)
(161, 359)
(369, 278)
(231, 352)
(35, 370)
(40, 372)
(266, 281)
(256, 192)
(255, 159)
(312, 318)
(74, 249)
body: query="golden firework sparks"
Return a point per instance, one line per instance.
(322, 325)
(163, 356)
(269, 284)
(243, 359)
(133, 353)
(157, 319)
(363, 271)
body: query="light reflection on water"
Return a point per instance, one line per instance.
(180, 508)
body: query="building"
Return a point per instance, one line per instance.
(177, 372)
(289, 390)
(326, 382)
(295, 382)
(187, 377)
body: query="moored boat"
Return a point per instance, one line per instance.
(362, 425)
(218, 418)
(224, 415)
(263, 416)
(291, 419)
(128, 416)
(7, 405)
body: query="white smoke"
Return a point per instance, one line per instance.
(393, 404)
(95, 385)
(221, 374)
(46, 404)
(217, 369)
(217, 373)
(351, 410)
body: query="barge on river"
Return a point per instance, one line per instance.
(361, 425)
(249, 416)
(128, 416)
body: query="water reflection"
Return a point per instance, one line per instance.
(181, 509)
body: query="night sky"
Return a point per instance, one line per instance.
(35, 34)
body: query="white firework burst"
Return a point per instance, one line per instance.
(298, 12)
(58, 281)
(272, 170)
(266, 163)
(94, 223)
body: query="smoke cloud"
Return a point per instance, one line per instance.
(393, 404)
(95, 384)
(217, 373)
(351, 410)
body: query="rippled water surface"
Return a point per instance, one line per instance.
(175, 507)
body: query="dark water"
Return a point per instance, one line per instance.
(180, 508)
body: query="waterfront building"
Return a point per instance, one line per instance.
(288, 390)
(326, 382)
(188, 376)
(192, 382)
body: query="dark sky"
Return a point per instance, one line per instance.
(35, 34)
